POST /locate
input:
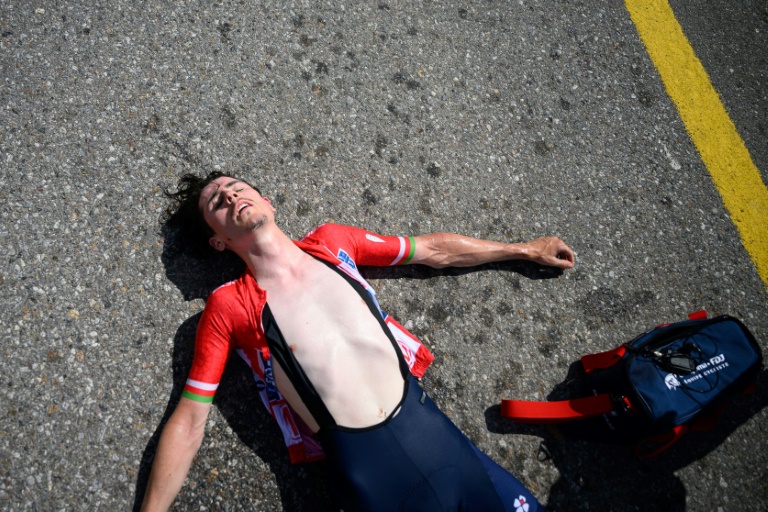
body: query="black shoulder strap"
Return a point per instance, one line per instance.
(282, 353)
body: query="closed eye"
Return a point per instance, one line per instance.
(218, 199)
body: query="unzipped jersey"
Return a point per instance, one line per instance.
(232, 321)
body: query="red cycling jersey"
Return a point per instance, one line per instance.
(232, 321)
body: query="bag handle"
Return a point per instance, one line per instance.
(525, 411)
(603, 360)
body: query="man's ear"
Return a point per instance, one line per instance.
(216, 243)
(269, 203)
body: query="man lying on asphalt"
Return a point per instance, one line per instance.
(337, 374)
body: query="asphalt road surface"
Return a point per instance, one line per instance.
(507, 120)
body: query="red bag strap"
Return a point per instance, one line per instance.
(698, 315)
(524, 411)
(602, 360)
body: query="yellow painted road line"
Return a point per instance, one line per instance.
(714, 134)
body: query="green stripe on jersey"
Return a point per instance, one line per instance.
(198, 398)
(413, 250)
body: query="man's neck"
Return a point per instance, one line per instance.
(271, 255)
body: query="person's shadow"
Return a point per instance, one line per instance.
(527, 269)
(301, 487)
(595, 476)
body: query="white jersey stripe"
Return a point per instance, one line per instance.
(401, 253)
(202, 385)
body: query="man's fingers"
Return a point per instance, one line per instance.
(553, 252)
(566, 254)
(563, 257)
(564, 260)
(559, 261)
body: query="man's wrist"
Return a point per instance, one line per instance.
(518, 251)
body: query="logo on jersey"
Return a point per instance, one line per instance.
(408, 354)
(269, 377)
(346, 258)
(521, 504)
(285, 419)
(373, 238)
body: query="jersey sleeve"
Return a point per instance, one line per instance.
(363, 246)
(213, 344)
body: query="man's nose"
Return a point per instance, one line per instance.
(230, 195)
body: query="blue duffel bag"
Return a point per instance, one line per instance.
(653, 389)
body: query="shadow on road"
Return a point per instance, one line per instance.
(526, 269)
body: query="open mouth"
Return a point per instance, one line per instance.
(240, 208)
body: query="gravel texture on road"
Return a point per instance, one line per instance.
(504, 120)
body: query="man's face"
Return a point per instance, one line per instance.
(232, 209)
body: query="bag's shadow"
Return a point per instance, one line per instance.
(595, 476)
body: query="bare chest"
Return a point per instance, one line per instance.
(322, 317)
(340, 345)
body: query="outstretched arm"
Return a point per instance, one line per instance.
(441, 250)
(179, 442)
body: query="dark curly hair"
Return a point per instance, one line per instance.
(184, 213)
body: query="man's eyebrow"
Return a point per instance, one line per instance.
(215, 194)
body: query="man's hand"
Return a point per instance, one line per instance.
(552, 251)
